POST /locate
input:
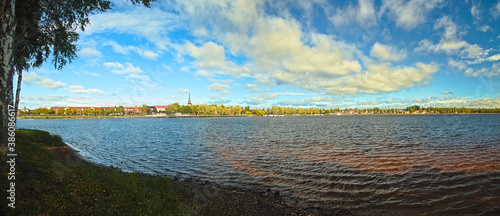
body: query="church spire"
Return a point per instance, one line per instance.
(189, 100)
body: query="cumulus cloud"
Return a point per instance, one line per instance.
(447, 92)
(451, 43)
(387, 53)
(381, 78)
(45, 82)
(409, 14)
(219, 88)
(276, 51)
(81, 89)
(210, 57)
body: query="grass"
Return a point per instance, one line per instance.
(47, 184)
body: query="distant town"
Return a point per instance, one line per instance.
(220, 110)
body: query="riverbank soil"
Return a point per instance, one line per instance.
(52, 179)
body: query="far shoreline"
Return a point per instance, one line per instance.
(231, 116)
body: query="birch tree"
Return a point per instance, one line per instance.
(32, 31)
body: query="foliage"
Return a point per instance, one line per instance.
(214, 109)
(186, 110)
(259, 112)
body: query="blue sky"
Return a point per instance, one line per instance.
(326, 54)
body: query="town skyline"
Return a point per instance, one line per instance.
(264, 53)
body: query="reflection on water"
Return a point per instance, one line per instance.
(430, 165)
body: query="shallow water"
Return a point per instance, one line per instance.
(425, 164)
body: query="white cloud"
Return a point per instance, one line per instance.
(263, 98)
(128, 69)
(114, 65)
(81, 89)
(219, 88)
(318, 99)
(452, 44)
(183, 91)
(45, 82)
(381, 78)
(218, 99)
(458, 102)
(457, 64)
(276, 51)
(90, 52)
(495, 57)
(130, 72)
(211, 57)
(125, 50)
(484, 28)
(447, 92)
(475, 12)
(387, 53)
(252, 88)
(150, 23)
(289, 93)
(150, 54)
(204, 73)
(364, 103)
(91, 74)
(363, 14)
(409, 14)
(495, 10)
(484, 72)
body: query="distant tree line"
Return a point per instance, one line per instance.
(214, 109)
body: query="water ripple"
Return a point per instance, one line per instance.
(399, 165)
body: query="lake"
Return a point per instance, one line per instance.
(401, 164)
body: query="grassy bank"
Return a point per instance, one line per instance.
(52, 180)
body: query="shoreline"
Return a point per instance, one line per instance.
(289, 205)
(69, 184)
(237, 116)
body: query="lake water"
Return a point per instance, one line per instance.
(402, 165)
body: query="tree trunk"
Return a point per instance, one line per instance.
(18, 90)
(7, 33)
